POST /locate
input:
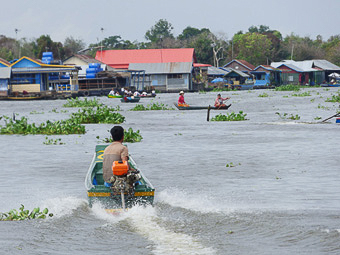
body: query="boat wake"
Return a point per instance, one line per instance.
(64, 206)
(194, 202)
(144, 220)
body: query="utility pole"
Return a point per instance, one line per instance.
(16, 38)
(101, 46)
(291, 56)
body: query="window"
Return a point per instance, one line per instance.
(175, 76)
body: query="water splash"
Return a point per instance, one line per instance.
(63, 206)
(144, 221)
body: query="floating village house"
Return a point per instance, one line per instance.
(161, 69)
(266, 75)
(39, 78)
(238, 67)
(97, 78)
(309, 72)
(5, 75)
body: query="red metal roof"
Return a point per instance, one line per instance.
(245, 63)
(201, 65)
(122, 58)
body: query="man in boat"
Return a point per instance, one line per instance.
(112, 92)
(219, 102)
(116, 151)
(181, 101)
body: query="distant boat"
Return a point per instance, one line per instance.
(114, 96)
(190, 107)
(130, 99)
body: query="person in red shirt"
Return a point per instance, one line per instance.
(181, 101)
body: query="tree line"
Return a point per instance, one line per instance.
(258, 45)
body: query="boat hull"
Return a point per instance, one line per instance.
(130, 100)
(97, 192)
(201, 107)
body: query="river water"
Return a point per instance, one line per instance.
(280, 197)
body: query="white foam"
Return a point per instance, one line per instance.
(144, 221)
(63, 206)
(194, 202)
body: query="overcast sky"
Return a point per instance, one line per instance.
(83, 19)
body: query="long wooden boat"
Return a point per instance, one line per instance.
(201, 107)
(97, 192)
(23, 98)
(130, 99)
(114, 96)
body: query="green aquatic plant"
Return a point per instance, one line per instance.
(323, 107)
(304, 94)
(22, 127)
(335, 98)
(231, 164)
(53, 141)
(222, 89)
(152, 107)
(56, 111)
(102, 114)
(263, 95)
(288, 87)
(22, 214)
(139, 107)
(230, 117)
(35, 112)
(77, 102)
(317, 118)
(287, 116)
(129, 137)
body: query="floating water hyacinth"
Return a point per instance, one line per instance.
(22, 214)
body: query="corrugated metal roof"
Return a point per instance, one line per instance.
(5, 62)
(85, 58)
(326, 65)
(308, 65)
(229, 70)
(42, 70)
(5, 72)
(241, 62)
(216, 71)
(162, 68)
(123, 57)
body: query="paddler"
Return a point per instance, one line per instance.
(181, 101)
(219, 102)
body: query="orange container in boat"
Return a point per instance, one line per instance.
(120, 168)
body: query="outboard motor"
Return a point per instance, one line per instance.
(124, 180)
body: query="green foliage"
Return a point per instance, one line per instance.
(35, 112)
(231, 164)
(230, 117)
(323, 107)
(77, 102)
(335, 98)
(287, 116)
(304, 94)
(53, 142)
(317, 118)
(288, 87)
(252, 47)
(162, 29)
(22, 214)
(22, 127)
(151, 107)
(129, 137)
(103, 114)
(263, 95)
(223, 89)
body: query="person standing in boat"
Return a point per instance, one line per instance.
(219, 101)
(116, 151)
(112, 93)
(181, 101)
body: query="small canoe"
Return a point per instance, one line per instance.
(201, 107)
(114, 96)
(24, 98)
(97, 192)
(130, 99)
